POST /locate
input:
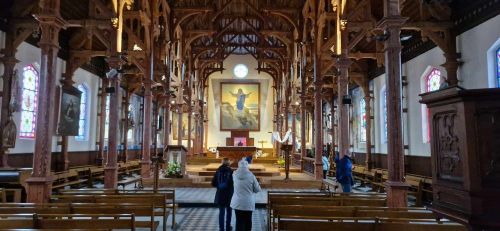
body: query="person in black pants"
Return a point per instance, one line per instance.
(243, 201)
(223, 181)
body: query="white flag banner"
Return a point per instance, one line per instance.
(276, 136)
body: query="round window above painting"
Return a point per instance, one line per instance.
(240, 71)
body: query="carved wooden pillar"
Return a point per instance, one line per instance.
(302, 117)
(9, 62)
(395, 186)
(189, 137)
(368, 160)
(146, 140)
(125, 104)
(39, 184)
(166, 126)
(451, 55)
(179, 124)
(111, 168)
(102, 120)
(318, 114)
(343, 63)
(332, 121)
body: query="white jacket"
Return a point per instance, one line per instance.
(245, 188)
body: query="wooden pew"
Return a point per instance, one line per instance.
(169, 195)
(321, 199)
(367, 224)
(158, 201)
(84, 208)
(67, 178)
(67, 221)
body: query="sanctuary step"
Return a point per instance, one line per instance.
(209, 170)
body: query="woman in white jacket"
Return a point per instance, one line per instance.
(243, 201)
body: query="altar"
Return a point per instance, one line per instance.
(235, 153)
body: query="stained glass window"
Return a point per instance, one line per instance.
(432, 82)
(498, 66)
(106, 121)
(29, 102)
(82, 124)
(362, 120)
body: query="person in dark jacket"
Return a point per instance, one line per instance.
(344, 171)
(223, 181)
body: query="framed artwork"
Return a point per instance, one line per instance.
(240, 106)
(184, 126)
(240, 141)
(69, 113)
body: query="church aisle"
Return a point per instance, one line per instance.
(206, 219)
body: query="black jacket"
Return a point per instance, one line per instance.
(223, 195)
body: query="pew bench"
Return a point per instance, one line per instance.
(158, 201)
(134, 180)
(168, 193)
(329, 185)
(368, 224)
(85, 208)
(68, 221)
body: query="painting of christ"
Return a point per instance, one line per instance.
(240, 107)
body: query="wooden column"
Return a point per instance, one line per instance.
(332, 121)
(179, 124)
(318, 116)
(102, 120)
(146, 135)
(111, 168)
(302, 117)
(395, 186)
(9, 62)
(190, 117)
(343, 64)
(368, 160)
(166, 126)
(125, 104)
(39, 184)
(294, 129)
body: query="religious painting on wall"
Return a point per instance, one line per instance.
(240, 107)
(69, 114)
(174, 126)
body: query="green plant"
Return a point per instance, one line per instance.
(174, 170)
(281, 162)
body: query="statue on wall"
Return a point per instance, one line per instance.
(10, 129)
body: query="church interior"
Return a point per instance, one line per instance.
(116, 114)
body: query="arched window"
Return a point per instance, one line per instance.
(383, 113)
(498, 66)
(82, 124)
(106, 121)
(29, 102)
(362, 120)
(431, 83)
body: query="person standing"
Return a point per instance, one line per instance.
(223, 181)
(344, 171)
(243, 201)
(326, 164)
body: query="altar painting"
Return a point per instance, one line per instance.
(240, 107)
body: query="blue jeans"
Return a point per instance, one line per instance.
(225, 212)
(346, 187)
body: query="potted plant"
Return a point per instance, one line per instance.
(174, 170)
(281, 162)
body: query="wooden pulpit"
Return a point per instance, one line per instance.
(286, 148)
(177, 154)
(465, 148)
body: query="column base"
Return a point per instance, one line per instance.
(145, 168)
(110, 177)
(318, 171)
(396, 194)
(39, 189)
